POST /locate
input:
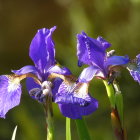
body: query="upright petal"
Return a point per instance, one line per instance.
(42, 50)
(104, 43)
(10, 93)
(91, 51)
(76, 112)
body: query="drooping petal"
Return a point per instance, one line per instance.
(138, 60)
(117, 60)
(25, 70)
(42, 49)
(135, 74)
(91, 51)
(88, 74)
(73, 93)
(71, 99)
(59, 70)
(76, 111)
(10, 93)
(134, 68)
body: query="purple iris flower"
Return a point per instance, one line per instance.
(92, 52)
(134, 68)
(42, 53)
(44, 79)
(74, 100)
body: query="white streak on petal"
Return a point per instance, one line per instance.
(82, 91)
(13, 84)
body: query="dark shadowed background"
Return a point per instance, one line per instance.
(118, 21)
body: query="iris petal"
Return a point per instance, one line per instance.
(88, 74)
(104, 43)
(91, 51)
(82, 51)
(71, 99)
(58, 70)
(42, 49)
(138, 60)
(134, 69)
(73, 93)
(10, 93)
(26, 69)
(67, 94)
(117, 60)
(30, 84)
(56, 83)
(136, 75)
(75, 102)
(76, 112)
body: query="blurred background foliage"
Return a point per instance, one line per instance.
(117, 21)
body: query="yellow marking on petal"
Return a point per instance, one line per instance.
(13, 83)
(14, 80)
(82, 89)
(55, 75)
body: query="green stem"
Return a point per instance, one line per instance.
(116, 101)
(68, 130)
(49, 119)
(50, 127)
(82, 129)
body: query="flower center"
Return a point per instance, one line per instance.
(40, 94)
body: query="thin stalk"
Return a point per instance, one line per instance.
(116, 102)
(82, 129)
(68, 129)
(49, 119)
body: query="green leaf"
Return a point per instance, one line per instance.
(14, 133)
(119, 101)
(82, 129)
(119, 104)
(110, 93)
(68, 130)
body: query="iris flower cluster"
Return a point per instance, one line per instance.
(48, 80)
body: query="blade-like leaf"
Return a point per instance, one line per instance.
(14, 133)
(82, 129)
